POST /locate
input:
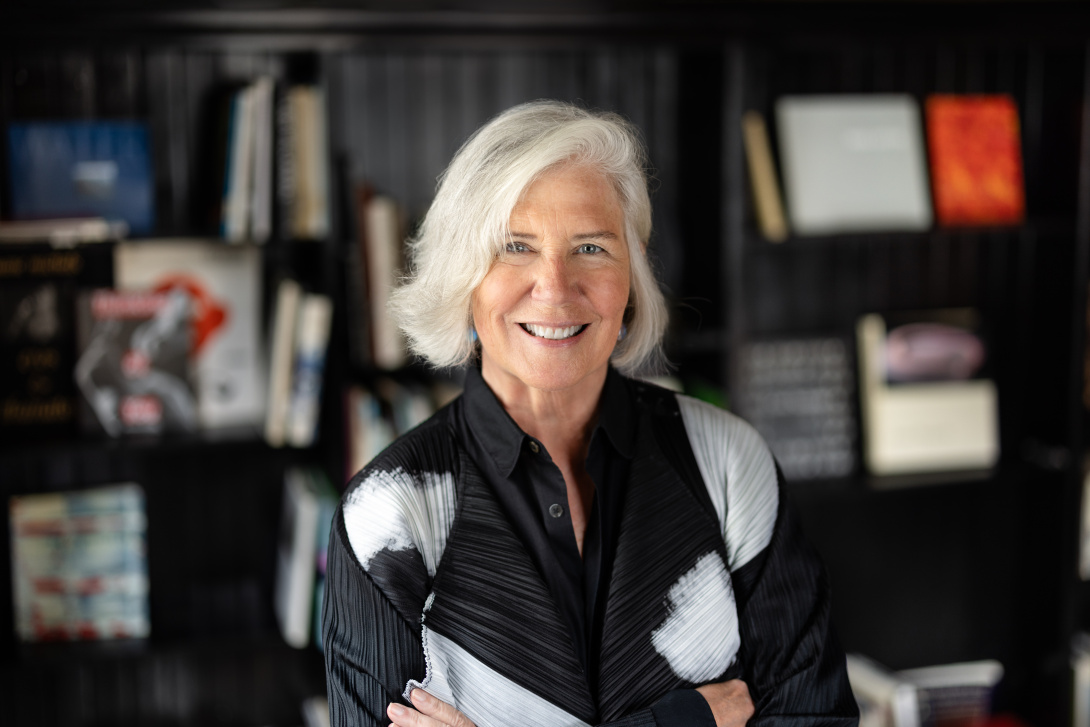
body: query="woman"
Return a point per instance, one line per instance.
(563, 545)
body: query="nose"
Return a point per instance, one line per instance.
(554, 279)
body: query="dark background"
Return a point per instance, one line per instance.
(925, 570)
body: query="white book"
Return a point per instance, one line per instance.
(384, 243)
(885, 699)
(224, 283)
(262, 182)
(237, 197)
(295, 560)
(281, 360)
(853, 163)
(311, 340)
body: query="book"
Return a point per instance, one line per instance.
(925, 402)
(79, 565)
(315, 711)
(328, 499)
(384, 243)
(799, 393)
(38, 289)
(853, 163)
(974, 144)
(281, 360)
(133, 367)
(357, 294)
(884, 698)
(306, 502)
(767, 201)
(224, 285)
(307, 162)
(82, 169)
(1080, 679)
(261, 222)
(247, 193)
(956, 694)
(62, 232)
(238, 174)
(309, 361)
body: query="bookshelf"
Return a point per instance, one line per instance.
(926, 570)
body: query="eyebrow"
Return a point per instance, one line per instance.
(596, 235)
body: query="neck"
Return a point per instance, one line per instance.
(562, 420)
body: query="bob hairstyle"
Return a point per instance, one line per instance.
(466, 227)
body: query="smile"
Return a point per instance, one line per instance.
(553, 334)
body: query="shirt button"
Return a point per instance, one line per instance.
(534, 447)
(556, 510)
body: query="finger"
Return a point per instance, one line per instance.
(438, 709)
(401, 716)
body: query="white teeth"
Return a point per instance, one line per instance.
(555, 334)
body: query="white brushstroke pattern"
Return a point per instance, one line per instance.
(484, 695)
(740, 475)
(398, 511)
(700, 637)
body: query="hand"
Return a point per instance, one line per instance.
(730, 702)
(430, 712)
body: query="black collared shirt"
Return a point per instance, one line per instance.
(531, 490)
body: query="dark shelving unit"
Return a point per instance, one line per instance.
(925, 569)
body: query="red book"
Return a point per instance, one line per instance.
(976, 159)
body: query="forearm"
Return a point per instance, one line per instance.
(794, 665)
(370, 649)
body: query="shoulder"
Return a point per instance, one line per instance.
(404, 500)
(740, 473)
(713, 429)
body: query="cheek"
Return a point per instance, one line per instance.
(612, 295)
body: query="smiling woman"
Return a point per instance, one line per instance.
(564, 545)
(549, 312)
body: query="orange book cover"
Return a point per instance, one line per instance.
(976, 159)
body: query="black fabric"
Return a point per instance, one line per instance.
(660, 537)
(492, 599)
(528, 485)
(784, 599)
(363, 675)
(488, 591)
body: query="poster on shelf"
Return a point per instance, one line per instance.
(79, 564)
(223, 283)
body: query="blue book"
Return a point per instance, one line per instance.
(83, 168)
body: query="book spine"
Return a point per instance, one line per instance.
(315, 317)
(280, 361)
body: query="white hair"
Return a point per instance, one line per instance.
(466, 227)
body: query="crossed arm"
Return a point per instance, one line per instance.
(729, 701)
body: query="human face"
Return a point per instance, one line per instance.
(548, 312)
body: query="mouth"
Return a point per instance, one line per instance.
(553, 334)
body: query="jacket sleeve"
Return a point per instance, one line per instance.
(371, 649)
(789, 656)
(792, 662)
(679, 708)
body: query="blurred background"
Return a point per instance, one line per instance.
(872, 223)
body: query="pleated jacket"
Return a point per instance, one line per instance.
(429, 585)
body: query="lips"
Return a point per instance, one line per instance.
(553, 334)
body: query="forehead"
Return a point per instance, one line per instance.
(570, 193)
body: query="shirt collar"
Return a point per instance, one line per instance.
(502, 439)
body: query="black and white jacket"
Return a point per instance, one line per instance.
(428, 585)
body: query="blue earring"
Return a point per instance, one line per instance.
(622, 333)
(473, 334)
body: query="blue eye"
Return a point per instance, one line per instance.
(515, 247)
(589, 248)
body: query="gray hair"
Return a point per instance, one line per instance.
(466, 227)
